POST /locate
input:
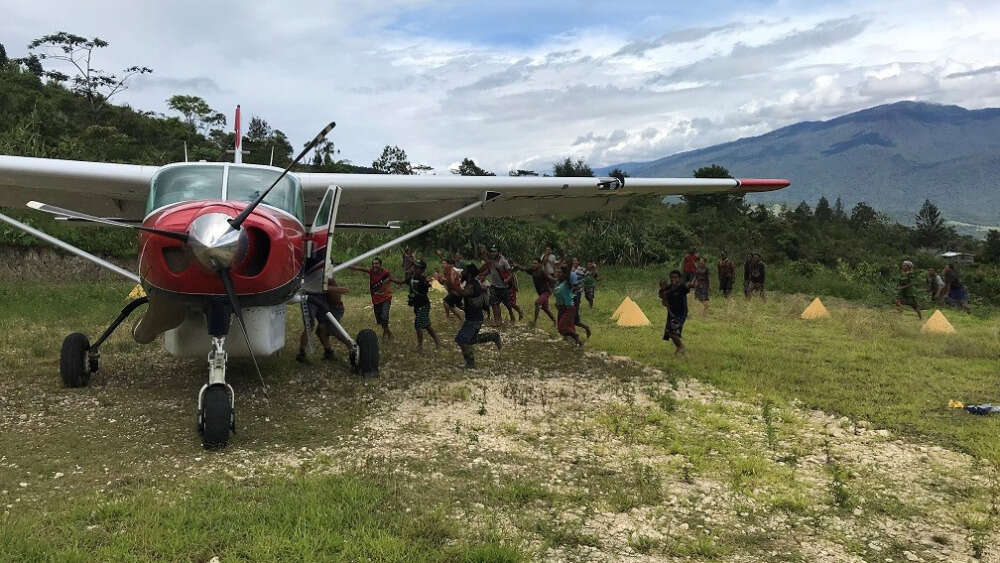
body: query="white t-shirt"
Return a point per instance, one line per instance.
(549, 264)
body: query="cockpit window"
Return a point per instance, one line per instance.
(246, 184)
(185, 183)
(199, 182)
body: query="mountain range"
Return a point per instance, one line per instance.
(892, 157)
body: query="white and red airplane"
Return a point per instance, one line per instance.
(220, 239)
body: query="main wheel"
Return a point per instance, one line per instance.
(73, 361)
(367, 353)
(216, 417)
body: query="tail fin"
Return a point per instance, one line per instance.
(238, 149)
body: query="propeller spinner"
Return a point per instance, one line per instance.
(215, 243)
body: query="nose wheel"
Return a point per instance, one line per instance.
(216, 416)
(216, 400)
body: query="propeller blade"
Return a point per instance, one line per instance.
(239, 219)
(84, 217)
(227, 282)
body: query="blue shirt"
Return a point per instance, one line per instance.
(564, 294)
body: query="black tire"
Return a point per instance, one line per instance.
(367, 353)
(216, 417)
(73, 361)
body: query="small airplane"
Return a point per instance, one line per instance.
(219, 240)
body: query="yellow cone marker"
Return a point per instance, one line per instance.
(955, 404)
(816, 310)
(938, 324)
(436, 286)
(136, 292)
(632, 315)
(618, 311)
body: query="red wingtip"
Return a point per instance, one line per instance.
(762, 184)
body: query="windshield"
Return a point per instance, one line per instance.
(246, 184)
(185, 183)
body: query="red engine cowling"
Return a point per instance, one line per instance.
(272, 263)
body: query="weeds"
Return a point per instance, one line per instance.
(770, 430)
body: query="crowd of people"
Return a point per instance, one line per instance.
(479, 292)
(695, 274)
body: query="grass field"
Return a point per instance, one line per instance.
(773, 439)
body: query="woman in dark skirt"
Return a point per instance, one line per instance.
(566, 323)
(702, 283)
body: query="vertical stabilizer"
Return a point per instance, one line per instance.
(238, 149)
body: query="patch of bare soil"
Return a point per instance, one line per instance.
(791, 484)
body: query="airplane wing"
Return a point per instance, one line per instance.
(381, 197)
(120, 191)
(98, 188)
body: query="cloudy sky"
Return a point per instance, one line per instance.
(521, 83)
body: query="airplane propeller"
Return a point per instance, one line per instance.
(85, 217)
(237, 221)
(234, 302)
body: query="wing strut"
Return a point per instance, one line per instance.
(486, 198)
(69, 248)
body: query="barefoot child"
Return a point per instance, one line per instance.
(590, 283)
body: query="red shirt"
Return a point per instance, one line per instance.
(381, 285)
(690, 262)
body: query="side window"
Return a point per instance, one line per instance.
(323, 213)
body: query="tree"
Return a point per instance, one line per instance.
(259, 130)
(991, 247)
(323, 153)
(197, 113)
(3, 55)
(34, 65)
(930, 231)
(393, 161)
(568, 168)
(468, 168)
(94, 84)
(838, 210)
(520, 172)
(823, 211)
(802, 212)
(863, 215)
(726, 203)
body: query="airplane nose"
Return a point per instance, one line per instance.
(214, 242)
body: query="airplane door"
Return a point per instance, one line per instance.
(333, 195)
